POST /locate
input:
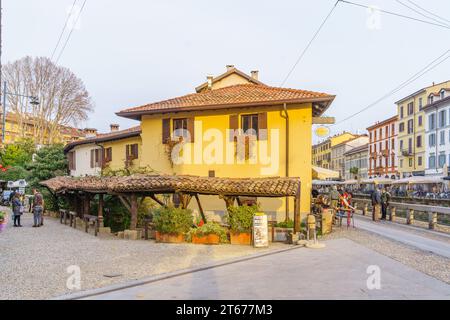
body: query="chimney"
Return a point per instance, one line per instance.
(114, 127)
(229, 67)
(209, 80)
(90, 132)
(255, 74)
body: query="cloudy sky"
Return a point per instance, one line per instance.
(134, 52)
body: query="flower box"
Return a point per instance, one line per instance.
(169, 237)
(281, 234)
(242, 238)
(206, 239)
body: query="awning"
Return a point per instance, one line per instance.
(352, 181)
(325, 182)
(420, 180)
(322, 173)
(377, 181)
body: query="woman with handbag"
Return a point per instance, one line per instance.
(17, 208)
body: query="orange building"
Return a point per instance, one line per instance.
(382, 145)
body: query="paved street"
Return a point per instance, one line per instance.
(403, 234)
(337, 272)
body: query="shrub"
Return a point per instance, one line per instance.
(285, 224)
(209, 228)
(240, 218)
(172, 220)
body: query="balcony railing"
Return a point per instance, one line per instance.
(407, 153)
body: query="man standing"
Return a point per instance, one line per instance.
(376, 204)
(38, 208)
(385, 197)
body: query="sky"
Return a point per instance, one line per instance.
(134, 52)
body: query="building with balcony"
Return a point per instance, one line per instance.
(338, 151)
(382, 148)
(437, 113)
(321, 152)
(411, 129)
(356, 163)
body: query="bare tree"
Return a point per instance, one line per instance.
(63, 98)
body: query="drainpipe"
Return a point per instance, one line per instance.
(286, 117)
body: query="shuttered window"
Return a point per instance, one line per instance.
(71, 159)
(95, 158)
(234, 125)
(132, 151)
(165, 130)
(108, 154)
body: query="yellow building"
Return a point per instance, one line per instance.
(233, 126)
(321, 152)
(15, 130)
(411, 130)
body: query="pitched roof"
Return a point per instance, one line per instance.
(357, 149)
(436, 103)
(241, 95)
(226, 74)
(264, 187)
(103, 137)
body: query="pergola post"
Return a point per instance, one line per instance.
(86, 204)
(297, 211)
(229, 200)
(100, 210)
(133, 211)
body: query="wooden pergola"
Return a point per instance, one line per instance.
(80, 191)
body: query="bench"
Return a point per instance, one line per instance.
(63, 214)
(88, 220)
(72, 219)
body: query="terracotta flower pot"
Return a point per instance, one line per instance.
(243, 238)
(206, 239)
(169, 237)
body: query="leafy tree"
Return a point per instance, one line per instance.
(49, 162)
(13, 174)
(18, 154)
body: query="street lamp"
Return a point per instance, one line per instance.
(33, 100)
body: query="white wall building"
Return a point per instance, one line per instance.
(437, 140)
(83, 161)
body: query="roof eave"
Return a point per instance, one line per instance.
(72, 145)
(323, 102)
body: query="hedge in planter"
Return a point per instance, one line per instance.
(172, 223)
(240, 220)
(208, 233)
(282, 229)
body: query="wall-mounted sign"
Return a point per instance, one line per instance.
(322, 131)
(260, 230)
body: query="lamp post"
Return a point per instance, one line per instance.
(34, 100)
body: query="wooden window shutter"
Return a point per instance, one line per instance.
(127, 151)
(135, 151)
(234, 125)
(262, 126)
(92, 157)
(190, 127)
(165, 130)
(74, 163)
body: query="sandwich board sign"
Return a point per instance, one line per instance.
(260, 230)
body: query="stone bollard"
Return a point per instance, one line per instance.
(366, 207)
(392, 214)
(432, 220)
(410, 217)
(376, 212)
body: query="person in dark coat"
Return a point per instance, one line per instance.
(17, 208)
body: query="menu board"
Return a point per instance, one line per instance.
(260, 230)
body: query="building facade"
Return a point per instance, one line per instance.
(411, 145)
(273, 124)
(356, 163)
(437, 113)
(382, 149)
(321, 152)
(338, 151)
(116, 150)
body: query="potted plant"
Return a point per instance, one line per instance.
(282, 229)
(208, 233)
(2, 220)
(172, 223)
(240, 220)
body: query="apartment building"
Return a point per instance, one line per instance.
(321, 152)
(338, 152)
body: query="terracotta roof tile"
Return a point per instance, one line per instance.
(235, 95)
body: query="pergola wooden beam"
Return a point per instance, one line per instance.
(200, 208)
(154, 198)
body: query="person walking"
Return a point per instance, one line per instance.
(376, 204)
(17, 208)
(38, 208)
(385, 198)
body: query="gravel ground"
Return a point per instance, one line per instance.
(34, 261)
(426, 262)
